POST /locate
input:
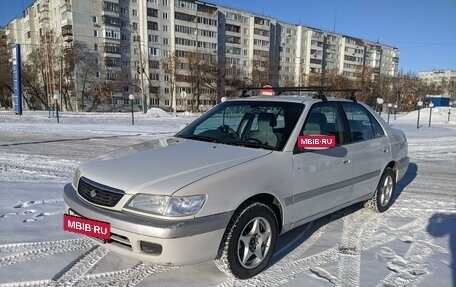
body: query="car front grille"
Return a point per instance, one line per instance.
(99, 194)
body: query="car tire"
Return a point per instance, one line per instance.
(383, 196)
(249, 241)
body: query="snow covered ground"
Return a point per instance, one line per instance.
(412, 244)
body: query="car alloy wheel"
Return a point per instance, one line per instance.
(254, 242)
(384, 193)
(249, 241)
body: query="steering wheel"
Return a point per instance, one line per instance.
(227, 130)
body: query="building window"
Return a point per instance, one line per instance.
(94, 19)
(95, 47)
(165, 15)
(95, 33)
(153, 38)
(134, 12)
(165, 28)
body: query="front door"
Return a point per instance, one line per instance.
(322, 178)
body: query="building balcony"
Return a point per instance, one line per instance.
(44, 8)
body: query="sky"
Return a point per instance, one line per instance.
(423, 30)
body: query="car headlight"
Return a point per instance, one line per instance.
(76, 176)
(167, 205)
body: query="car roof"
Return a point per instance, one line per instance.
(303, 99)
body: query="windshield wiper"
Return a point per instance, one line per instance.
(251, 144)
(202, 138)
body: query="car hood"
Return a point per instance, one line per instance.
(164, 166)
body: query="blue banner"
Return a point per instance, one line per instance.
(17, 86)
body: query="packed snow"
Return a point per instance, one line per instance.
(412, 244)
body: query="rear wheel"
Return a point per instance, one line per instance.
(249, 241)
(383, 196)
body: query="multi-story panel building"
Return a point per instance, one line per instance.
(131, 41)
(437, 77)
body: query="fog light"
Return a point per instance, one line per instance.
(151, 248)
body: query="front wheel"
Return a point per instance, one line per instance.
(249, 241)
(383, 196)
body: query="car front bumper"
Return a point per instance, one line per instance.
(176, 242)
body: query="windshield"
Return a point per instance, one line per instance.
(255, 124)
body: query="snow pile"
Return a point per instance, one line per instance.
(157, 112)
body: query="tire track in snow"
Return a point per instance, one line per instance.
(33, 168)
(127, 277)
(350, 248)
(39, 251)
(23, 204)
(82, 266)
(36, 283)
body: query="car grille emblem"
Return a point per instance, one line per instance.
(93, 193)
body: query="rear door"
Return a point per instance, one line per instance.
(322, 178)
(369, 149)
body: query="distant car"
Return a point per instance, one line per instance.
(229, 183)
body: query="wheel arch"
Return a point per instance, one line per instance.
(271, 201)
(393, 166)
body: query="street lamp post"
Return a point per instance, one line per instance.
(395, 112)
(419, 104)
(390, 105)
(431, 105)
(449, 110)
(56, 98)
(132, 99)
(380, 102)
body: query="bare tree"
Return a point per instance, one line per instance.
(260, 70)
(170, 66)
(85, 67)
(6, 76)
(233, 81)
(203, 73)
(33, 81)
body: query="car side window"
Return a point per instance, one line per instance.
(359, 121)
(324, 119)
(378, 131)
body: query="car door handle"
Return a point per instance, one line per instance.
(346, 161)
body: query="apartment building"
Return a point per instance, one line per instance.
(437, 77)
(131, 41)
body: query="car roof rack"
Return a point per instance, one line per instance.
(320, 90)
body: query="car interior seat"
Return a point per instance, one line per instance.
(265, 132)
(316, 124)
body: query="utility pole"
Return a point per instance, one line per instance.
(141, 71)
(323, 61)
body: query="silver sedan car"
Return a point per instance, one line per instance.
(228, 184)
